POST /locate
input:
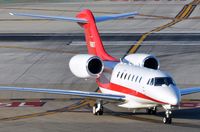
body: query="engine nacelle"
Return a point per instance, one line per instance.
(143, 60)
(85, 66)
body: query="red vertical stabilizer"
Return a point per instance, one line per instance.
(93, 40)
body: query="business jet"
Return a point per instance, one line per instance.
(134, 81)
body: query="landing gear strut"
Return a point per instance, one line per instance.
(152, 110)
(98, 108)
(167, 119)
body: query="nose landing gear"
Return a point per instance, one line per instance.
(167, 119)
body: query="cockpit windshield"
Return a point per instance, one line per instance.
(159, 81)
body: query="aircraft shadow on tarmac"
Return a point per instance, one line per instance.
(193, 113)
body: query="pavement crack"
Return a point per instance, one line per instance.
(27, 69)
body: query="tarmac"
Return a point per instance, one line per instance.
(44, 63)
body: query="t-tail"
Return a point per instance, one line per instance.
(87, 21)
(92, 37)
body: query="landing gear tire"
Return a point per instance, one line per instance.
(101, 111)
(94, 109)
(167, 120)
(97, 109)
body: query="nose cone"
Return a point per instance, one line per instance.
(166, 94)
(173, 95)
(173, 100)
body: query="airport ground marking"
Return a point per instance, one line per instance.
(81, 103)
(182, 15)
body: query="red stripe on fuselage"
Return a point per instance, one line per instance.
(124, 90)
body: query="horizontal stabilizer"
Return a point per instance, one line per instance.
(72, 19)
(67, 92)
(80, 20)
(115, 16)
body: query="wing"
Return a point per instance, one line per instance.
(96, 95)
(187, 91)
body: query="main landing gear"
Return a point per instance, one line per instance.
(98, 108)
(168, 118)
(152, 110)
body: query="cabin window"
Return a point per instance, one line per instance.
(152, 81)
(125, 76)
(148, 82)
(122, 75)
(129, 76)
(118, 74)
(136, 79)
(140, 79)
(132, 77)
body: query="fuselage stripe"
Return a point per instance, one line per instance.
(124, 90)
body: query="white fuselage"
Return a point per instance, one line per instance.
(138, 85)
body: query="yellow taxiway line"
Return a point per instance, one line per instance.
(182, 15)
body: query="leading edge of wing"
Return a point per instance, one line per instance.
(67, 92)
(187, 91)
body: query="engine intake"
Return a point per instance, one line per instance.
(95, 65)
(143, 60)
(85, 66)
(151, 63)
